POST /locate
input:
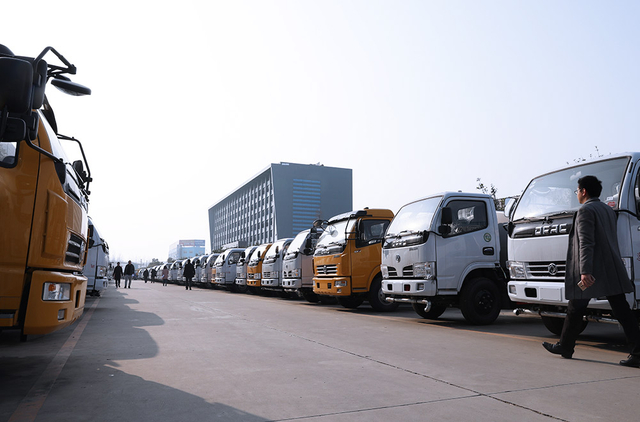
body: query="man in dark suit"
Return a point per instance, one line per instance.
(595, 269)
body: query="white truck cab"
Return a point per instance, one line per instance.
(445, 250)
(539, 225)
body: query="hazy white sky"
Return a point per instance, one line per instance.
(192, 98)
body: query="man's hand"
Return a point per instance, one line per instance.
(587, 279)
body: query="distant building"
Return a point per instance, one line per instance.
(279, 202)
(186, 249)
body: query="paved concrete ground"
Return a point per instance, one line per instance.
(154, 353)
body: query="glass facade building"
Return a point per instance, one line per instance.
(186, 249)
(279, 202)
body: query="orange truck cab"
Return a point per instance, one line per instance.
(254, 268)
(43, 201)
(347, 259)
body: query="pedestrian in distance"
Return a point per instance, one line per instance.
(594, 269)
(154, 274)
(129, 270)
(189, 272)
(165, 275)
(145, 274)
(117, 274)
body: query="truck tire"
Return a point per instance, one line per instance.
(434, 312)
(376, 298)
(351, 302)
(480, 301)
(554, 324)
(310, 297)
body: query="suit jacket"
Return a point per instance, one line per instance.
(593, 249)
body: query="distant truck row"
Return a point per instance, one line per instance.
(449, 249)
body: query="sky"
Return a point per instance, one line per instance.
(191, 99)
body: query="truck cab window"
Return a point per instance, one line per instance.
(468, 216)
(371, 232)
(8, 152)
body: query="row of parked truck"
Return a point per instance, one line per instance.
(450, 249)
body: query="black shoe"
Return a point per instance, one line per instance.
(557, 349)
(632, 361)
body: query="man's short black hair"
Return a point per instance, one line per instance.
(592, 185)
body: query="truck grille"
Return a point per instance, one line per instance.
(406, 272)
(75, 249)
(327, 270)
(554, 270)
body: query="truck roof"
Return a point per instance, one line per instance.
(366, 212)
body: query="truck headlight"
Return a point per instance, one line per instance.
(102, 271)
(516, 269)
(426, 270)
(296, 273)
(56, 291)
(341, 283)
(257, 276)
(385, 271)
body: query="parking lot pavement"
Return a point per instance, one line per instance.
(155, 353)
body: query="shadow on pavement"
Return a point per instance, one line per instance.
(91, 387)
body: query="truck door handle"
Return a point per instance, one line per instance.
(487, 251)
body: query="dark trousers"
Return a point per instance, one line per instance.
(188, 285)
(578, 308)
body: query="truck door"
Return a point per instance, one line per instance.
(472, 240)
(367, 252)
(635, 239)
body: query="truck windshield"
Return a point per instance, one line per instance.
(413, 217)
(257, 255)
(554, 194)
(271, 253)
(334, 234)
(297, 245)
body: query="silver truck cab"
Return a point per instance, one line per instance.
(272, 265)
(445, 250)
(241, 268)
(95, 268)
(297, 271)
(175, 271)
(208, 269)
(226, 268)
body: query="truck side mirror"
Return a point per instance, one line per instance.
(446, 218)
(79, 168)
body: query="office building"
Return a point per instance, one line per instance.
(279, 202)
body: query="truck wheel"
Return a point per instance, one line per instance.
(351, 302)
(310, 297)
(554, 324)
(376, 297)
(241, 288)
(480, 301)
(434, 312)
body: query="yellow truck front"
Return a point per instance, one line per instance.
(43, 201)
(347, 259)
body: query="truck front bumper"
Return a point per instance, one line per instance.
(409, 287)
